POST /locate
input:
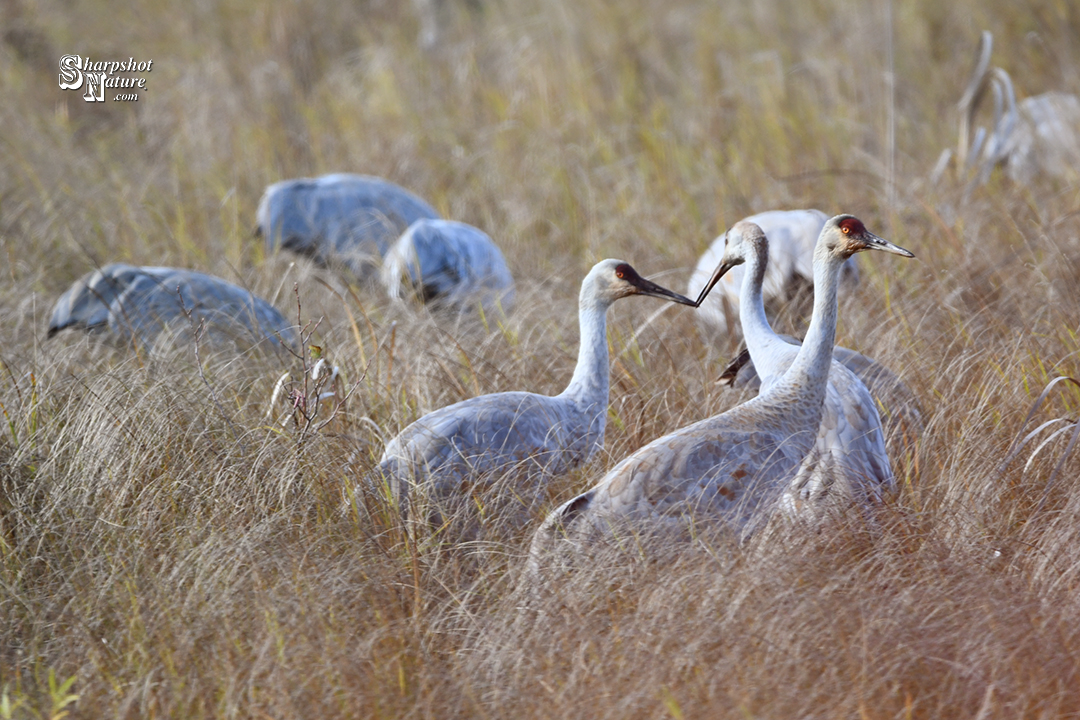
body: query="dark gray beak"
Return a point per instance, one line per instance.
(720, 272)
(648, 287)
(873, 242)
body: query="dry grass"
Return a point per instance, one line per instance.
(175, 556)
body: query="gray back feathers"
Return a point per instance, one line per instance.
(898, 407)
(448, 263)
(346, 218)
(140, 302)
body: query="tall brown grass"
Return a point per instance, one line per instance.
(168, 550)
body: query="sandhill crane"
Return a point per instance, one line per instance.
(792, 235)
(1040, 136)
(850, 449)
(898, 408)
(140, 302)
(448, 263)
(345, 218)
(735, 466)
(534, 434)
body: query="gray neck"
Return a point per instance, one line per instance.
(761, 340)
(589, 386)
(810, 370)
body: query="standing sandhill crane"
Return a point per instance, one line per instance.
(1040, 136)
(536, 434)
(141, 302)
(448, 263)
(735, 466)
(792, 235)
(344, 218)
(850, 451)
(901, 416)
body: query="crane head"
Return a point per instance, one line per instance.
(88, 301)
(845, 235)
(741, 241)
(610, 280)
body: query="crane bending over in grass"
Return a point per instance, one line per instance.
(346, 218)
(522, 431)
(450, 264)
(1040, 136)
(792, 235)
(735, 466)
(140, 302)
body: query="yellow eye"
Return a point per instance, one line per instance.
(846, 230)
(618, 274)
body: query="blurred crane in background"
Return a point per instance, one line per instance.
(340, 218)
(139, 303)
(450, 264)
(1038, 136)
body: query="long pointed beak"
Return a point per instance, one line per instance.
(648, 287)
(873, 242)
(720, 272)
